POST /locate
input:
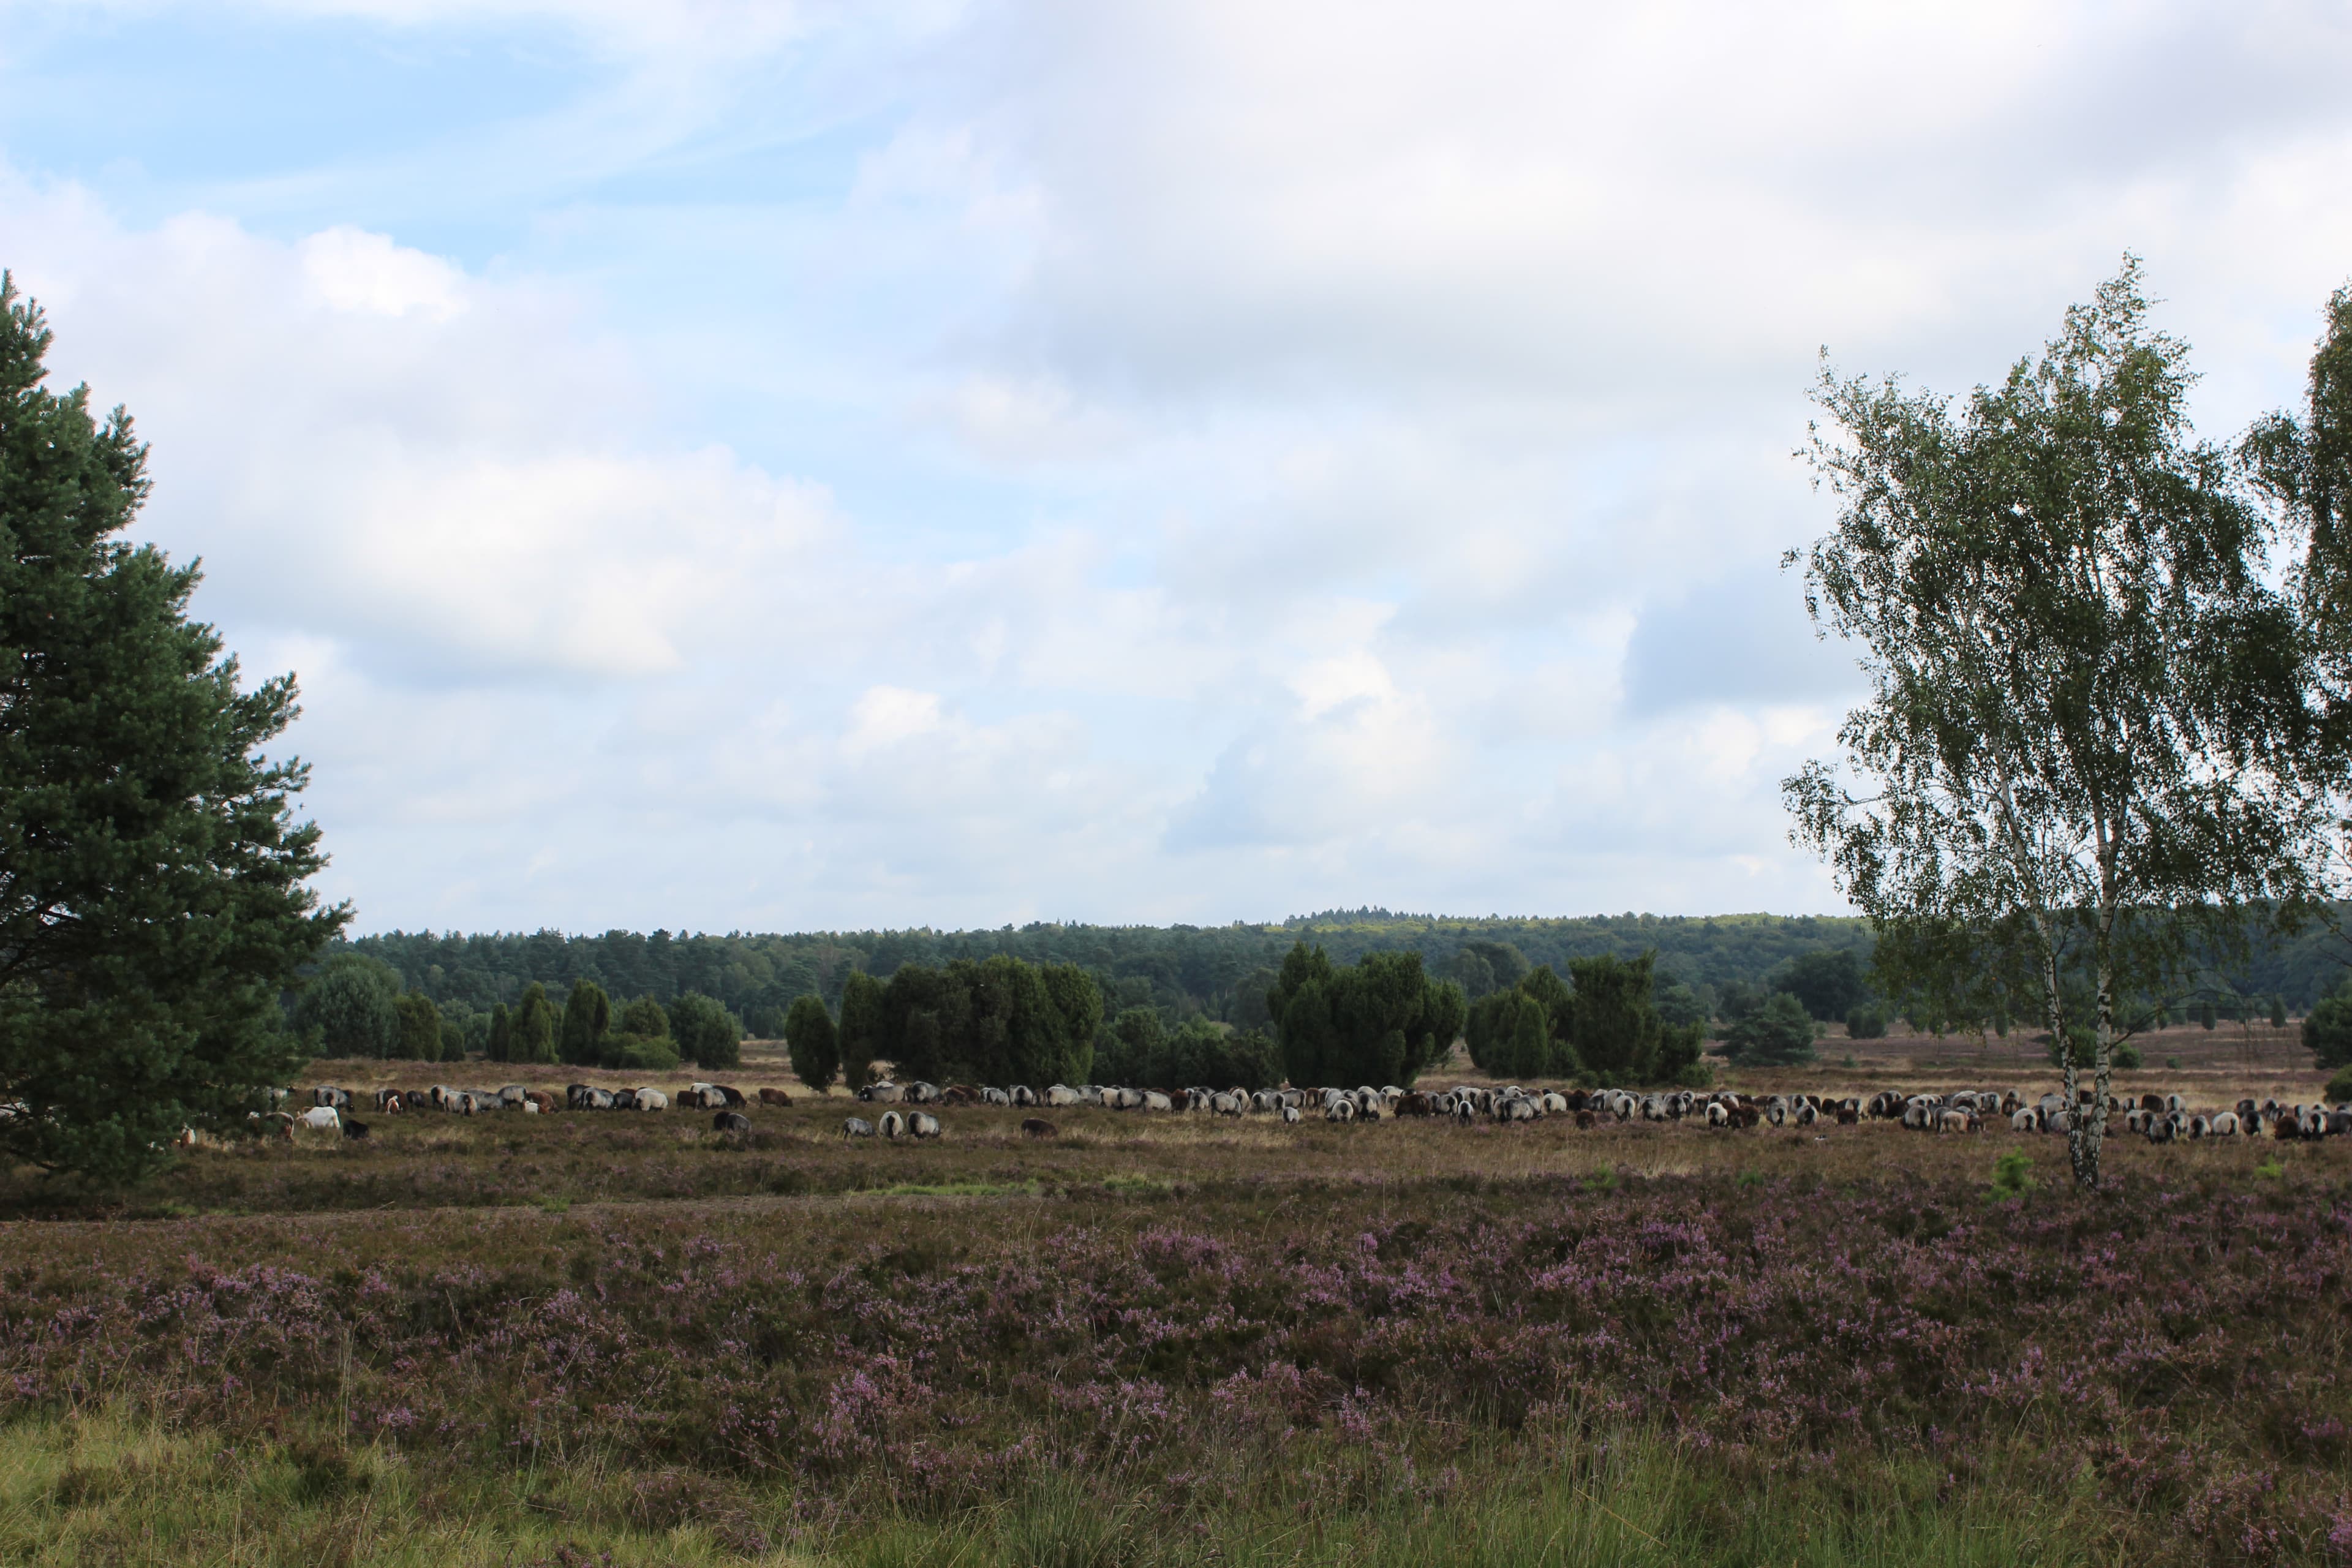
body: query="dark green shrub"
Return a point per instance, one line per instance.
(640, 1053)
(420, 1028)
(707, 1034)
(813, 1042)
(2328, 1029)
(1778, 1033)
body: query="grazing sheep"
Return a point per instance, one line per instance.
(1463, 1112)
(1290, 1113)
(893, 1124)
(882, 1093)
(857, 1127)
(354, 1128)
(994, 1097)
(1339, 1110)
(1061, 1094)
(922, 1124)
(2225, 1124)
(774, 1097)
(2023, 1119)
(1155, 1101)
(541, 1101)
(1024, 1095)
(1038, 1127)
(320, 1119)
(650, 1100)
(731, 1122)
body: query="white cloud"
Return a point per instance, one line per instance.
(958, 463)
(351, 269)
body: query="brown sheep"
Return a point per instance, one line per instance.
(774, 1097)
(1038, 1127)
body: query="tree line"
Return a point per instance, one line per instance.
(1727, 964)
(1219, 973)
(1382, 1020)
(356, 1006)
(1639, 1022)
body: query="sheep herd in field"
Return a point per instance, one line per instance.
(2159, 1118)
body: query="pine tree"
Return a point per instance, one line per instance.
(153, 905)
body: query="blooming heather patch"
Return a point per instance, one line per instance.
(2178, 1348)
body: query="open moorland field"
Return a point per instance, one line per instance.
(592, 1337)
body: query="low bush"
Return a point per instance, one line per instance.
(640, 1053)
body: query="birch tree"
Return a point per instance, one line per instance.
(2093, 761)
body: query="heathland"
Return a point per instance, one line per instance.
(590, 1337)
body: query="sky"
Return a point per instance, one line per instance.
(775, 467)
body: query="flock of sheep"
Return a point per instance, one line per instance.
(2161, 1118)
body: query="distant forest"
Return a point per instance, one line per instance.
(1219, 973)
